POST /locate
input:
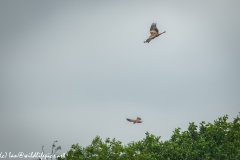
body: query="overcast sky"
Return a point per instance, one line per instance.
(72, 70)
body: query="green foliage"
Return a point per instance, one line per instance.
(217, 141)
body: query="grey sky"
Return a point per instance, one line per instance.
(71, 70)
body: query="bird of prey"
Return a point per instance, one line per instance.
(154, 33)
(138, 120)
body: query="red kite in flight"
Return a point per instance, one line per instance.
(154, 33)
(138, 120)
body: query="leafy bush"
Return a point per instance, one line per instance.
(217, 141)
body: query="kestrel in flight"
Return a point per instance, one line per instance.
(154, 33)
(138, 120)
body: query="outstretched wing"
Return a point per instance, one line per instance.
(130, 120)
(139, 121)
(154, 27)
(153, 32)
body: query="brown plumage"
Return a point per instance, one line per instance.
(154, 32)
(138, 120)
